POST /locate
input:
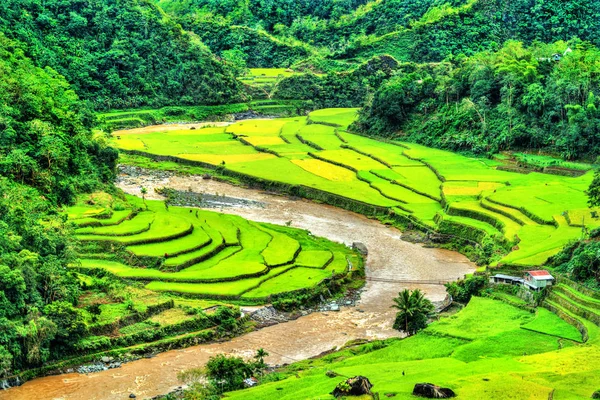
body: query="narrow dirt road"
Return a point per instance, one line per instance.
(389, 258)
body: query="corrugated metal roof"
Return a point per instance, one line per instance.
(540, 274)
(509, 278)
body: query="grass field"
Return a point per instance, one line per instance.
(489, 350)
(536, 213)
(180, 250)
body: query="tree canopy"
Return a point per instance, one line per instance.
(119, 53)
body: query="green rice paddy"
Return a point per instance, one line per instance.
(489, 350)
(535, 213)
(180, 250)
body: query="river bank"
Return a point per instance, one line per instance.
(390, 259)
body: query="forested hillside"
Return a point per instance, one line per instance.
(421, 31)
(540, 97)
(47, 156)
(119, 53)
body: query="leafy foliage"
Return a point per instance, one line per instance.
(463, 290)
(119, 53)
(47, 156)
(544, 96)
(414, 310)
(581, 260)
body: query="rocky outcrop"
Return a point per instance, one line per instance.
(355, 386)
(431, 391)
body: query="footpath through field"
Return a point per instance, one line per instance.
(390, 260)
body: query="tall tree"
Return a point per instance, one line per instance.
(413, 311)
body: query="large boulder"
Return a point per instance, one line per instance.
(356, 386)
(431, 391)
(360, 247)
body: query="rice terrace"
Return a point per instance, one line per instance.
(412, 183)
(299, 200)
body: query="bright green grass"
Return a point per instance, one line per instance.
(392, 155)
(351, 158)
(510, 227)
(224, 255)
(493, 358)
(196, 256)
(550, 324)
(281, 249)
(591, 301)
(470, 325)
(140, 223)
(254, 127)
(410, 198)
(319, 137)
(270, 72)
(542, 200)
(283, 170)
(314, 258)
(420, 179)
(484, 226)
(538, 243)
(592, 309)
(514, 214)
(196, 240)
(116, 218)
(163, 228)
(338, 116)
(584, 216)
(228, 288)
(294, 279)
(549, 161)
(291, 127)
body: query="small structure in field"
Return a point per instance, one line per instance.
(250, 382)
(538, 279)
(507, 279)
(534, 280)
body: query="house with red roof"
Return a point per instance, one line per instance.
(538, 279)
(534, 280)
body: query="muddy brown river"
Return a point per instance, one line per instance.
(389, 258)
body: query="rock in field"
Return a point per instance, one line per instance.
(431, 391)
(356, 386)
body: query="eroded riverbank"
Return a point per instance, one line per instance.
(389, 258)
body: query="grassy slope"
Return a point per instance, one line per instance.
(478, 357)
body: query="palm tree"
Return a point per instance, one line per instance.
(260, 355)
(413, 311)
(144, 192)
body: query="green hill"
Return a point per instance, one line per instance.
(119, 54)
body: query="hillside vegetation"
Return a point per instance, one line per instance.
(47, 156)
(542, 97)
(119, 54)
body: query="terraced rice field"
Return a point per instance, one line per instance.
(533, 214)
(182, 250)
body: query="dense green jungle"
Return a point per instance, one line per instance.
(468, 125)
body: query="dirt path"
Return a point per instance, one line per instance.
(389, 257)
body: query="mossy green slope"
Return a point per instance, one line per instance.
(483, 352)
